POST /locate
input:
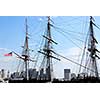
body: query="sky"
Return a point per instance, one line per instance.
(68, 31)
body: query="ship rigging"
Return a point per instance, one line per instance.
(45, 73)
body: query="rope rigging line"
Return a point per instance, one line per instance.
(70, 21)
(84, 49)
(70, 39)
(68, 33)
(38, 54)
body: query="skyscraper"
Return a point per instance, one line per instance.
(66, 74)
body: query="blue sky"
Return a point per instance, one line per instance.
(12, 33)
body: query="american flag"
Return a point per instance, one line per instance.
(8, 54)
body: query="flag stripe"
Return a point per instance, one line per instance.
(8, 54)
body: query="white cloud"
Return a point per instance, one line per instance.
(73, 51)
(40, 19)
(4, 49)
(7, 59)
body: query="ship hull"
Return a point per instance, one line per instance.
(29, 81)
(84, 80)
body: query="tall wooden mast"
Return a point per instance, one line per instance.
(49, 43)
(91, 54)
(47, 51)
(92, 49)
(25, 52)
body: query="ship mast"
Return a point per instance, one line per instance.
(91, 56)
(49, 43)
(25, 52)
(92, 50)
(47, 51)
(91, 53)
